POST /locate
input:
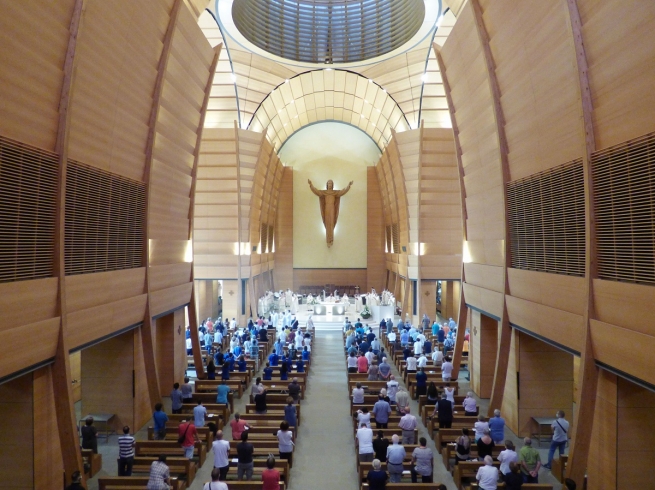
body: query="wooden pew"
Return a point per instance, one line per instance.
(179, 467)
(406, 486)
(390, 432)
(207, 399)
(559, 467)
(250, 485)
(466, 470)
(282, 465)
(133, 483)
(526, 486)
(364, 468)
(169, 448)
(175, 419)
(172, 433)
(262, 447)
(93, 460)
(274, 410)
(209, 386)
(448, 453)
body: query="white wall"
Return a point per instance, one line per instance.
(322, 152)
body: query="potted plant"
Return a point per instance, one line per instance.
(365, 313)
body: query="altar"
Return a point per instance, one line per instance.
(379, 312)
(329, 309)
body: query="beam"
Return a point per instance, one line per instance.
(505, 334)
(463, 310)
(589, 372)
(193, 310)
(61, 374)
(147, 341)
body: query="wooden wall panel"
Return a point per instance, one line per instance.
(625, 305)
(283, 273)
(169, 299)
(613, 345)
(484, 299)
(143, 405)
(24, 351)
(117, 59)
(619, 42)
(483, 346)
(88, 290)
(39, 297)
(635, 456)
(47, 451)
(32, 52)
(539, 91)
(321, 277)
(555, 290)
(375, 261)
(106, 319)
(216, 187)
(107, 379)
(545, 382)
(485, 276)
(602, 461)
(428, 299)
(75, 359)
(510, 406)
(17, 433)
(563, 327)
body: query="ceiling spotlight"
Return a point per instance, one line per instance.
(370, 80)
(233, 77)
(285, 125)
(286, 81)
(296, 116)
(328, 69)
(365, 101)
(292, 101)
(384, 90)
(361, 115)
(424, 77)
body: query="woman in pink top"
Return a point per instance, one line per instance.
(270, 476)
(362, 364)
(238, 427)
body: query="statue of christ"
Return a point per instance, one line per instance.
(329, 200)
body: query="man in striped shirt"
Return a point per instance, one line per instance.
(125, 453)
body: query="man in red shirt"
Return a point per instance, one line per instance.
(188, 434)
(362, 364)
(238, 427)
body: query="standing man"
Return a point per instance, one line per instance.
(408, 425)
(381, 410)
(125, 453)
(221, 450)
(160, 418)
(176, 399)
(497, 428)
(446, 369)
(199, 414)
(364, 440)
(530, 462)
(444, 412)
(560, 437)
(187, 391)
(487, 475)
(188, 434)
(294, 390)
(395, 458)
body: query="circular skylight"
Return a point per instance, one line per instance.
(328, 31)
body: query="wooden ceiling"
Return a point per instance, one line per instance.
(253, 90)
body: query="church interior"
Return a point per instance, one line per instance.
(488, 163)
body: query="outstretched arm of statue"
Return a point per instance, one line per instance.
(343, 191)
(313, 189)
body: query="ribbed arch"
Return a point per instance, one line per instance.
(328, 95)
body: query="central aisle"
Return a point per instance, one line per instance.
(325, 455)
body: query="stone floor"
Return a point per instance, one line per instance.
(325, 456)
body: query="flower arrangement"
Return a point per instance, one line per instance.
(312, 300)
(365, 313)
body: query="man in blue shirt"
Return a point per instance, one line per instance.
(273, 359)
(435, 328)
(279, 348)
(160, 418)
(389, 326)
(176, 399)
(363, 347)
(223, 390)
(268, 372)
(404, 338)
(381, 410)
(300, 366)
(440, 335)
(305, 354)
(427, 347)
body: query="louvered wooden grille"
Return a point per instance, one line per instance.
(28, 208)
(263, 238)
(395, 238)
(105, 219)
(271, 243)
(547, 221)
(387, 237)
(624, 202)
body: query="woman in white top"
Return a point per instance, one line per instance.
(285, 442)
(308, 343)
(411, 364)
(480, 427)
(446, 370)
(298, 341)
(450, 394)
